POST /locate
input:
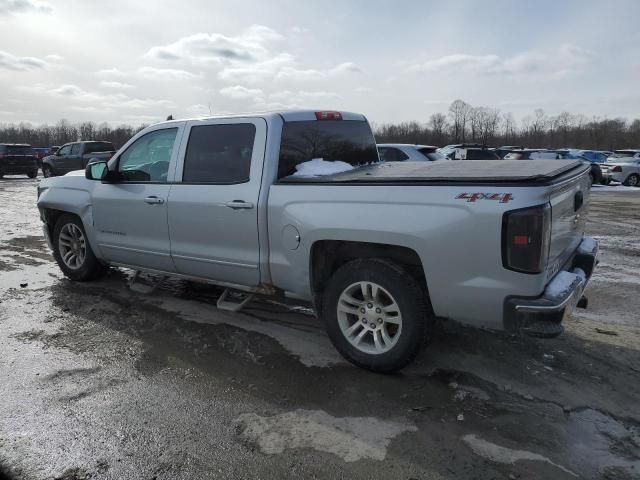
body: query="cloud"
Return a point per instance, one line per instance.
(116, 85)
(11, 62)
(568, 59)
(54, 58)
(83, 100)
(112, 73)
(166, 74)
(250, 57)
(10, 7)
(238, 92)
(203, 48)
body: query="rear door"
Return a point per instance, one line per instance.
(130, 210)
(213, 206)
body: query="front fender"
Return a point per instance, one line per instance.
(71, 194)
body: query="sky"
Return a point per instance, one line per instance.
(135, 62)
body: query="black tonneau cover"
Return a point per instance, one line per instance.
(476, 171)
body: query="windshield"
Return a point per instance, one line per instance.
(325, 147)
(431, 154)
(98, 147)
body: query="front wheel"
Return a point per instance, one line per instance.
(72, 251)
(46, 171)
(376, 314)
(632, 180)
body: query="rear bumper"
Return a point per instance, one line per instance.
(542, 316)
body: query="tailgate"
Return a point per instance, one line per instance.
(569, 206)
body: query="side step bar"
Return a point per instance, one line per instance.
(226, 302)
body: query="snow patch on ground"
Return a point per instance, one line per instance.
(496, 453)
(350, 438)
(319, 167)
(614, 188)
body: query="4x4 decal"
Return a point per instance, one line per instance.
(472, 197)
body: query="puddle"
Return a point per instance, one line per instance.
(350, 438)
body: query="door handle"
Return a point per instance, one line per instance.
(239, 204)
(153, 200)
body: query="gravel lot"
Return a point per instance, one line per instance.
(107, 381)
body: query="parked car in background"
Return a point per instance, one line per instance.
(624, 167)
(18, 159)
(595, 156)
(75, 156)
(531, 154)
(502, 151)
(252, 202)
(595, 173)
(400, 152)
(468, 151)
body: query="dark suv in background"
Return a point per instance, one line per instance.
(18, 159)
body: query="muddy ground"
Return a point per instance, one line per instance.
(107, 381)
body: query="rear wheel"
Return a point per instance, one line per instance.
(376, 314)
(73, 252)
(32, 174)
(46, 171)
(632, 180)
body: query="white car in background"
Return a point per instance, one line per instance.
(624, 167)
(402, 152)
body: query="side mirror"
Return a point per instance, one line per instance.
(96, 171)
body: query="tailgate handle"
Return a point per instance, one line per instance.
(578, 201)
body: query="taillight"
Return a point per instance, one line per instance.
(526, 235)
(617, 168)
(328, 116)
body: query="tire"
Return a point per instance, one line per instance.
(32, 174)
(590, 179)
(47, 171)
(406, 332)
(69, 236)
(632, 180)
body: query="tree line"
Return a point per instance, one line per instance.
(64, 131)
(461, 123)
(464, 123)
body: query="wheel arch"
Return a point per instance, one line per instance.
(326, 256)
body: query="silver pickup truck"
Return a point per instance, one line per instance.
(297, 203)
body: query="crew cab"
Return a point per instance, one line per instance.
(75, 156)
(18, 159)
(297, 203)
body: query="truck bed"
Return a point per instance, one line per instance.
(459, 171)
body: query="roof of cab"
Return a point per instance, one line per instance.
(285, 115)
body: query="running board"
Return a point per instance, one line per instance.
(226, 303)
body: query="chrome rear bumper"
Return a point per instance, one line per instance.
(542, 316)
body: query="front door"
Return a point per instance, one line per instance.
(130, 210)
(213, 204)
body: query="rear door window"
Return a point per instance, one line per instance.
(219, 154)
(98, 147)
(324, 147)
